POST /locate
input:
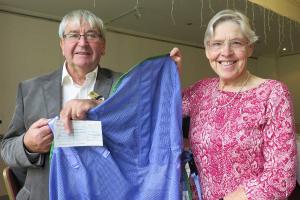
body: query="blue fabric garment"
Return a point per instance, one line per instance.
(141, 125)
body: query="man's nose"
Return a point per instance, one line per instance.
(82, 39)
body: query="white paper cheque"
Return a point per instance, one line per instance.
(85, 133)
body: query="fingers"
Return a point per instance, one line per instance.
(40, 123)
(177, 57)
(45, 131)
(174, 51)
(66, 119)
(79, 113)
(48, 139)
(45, 144)
(38, 137)
(238, 194)
(76, 110)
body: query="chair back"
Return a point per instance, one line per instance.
(11, 184)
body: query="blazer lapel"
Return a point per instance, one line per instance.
(103, 83)
(53, 91)
(53, 94)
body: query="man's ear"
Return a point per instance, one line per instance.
(103, 49)
(61, 44)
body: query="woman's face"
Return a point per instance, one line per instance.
(228, 51)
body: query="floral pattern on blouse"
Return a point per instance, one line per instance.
(244, 139)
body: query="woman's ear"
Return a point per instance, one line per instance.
(250, 50)
(207, 53)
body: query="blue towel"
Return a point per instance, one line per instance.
(141, 125)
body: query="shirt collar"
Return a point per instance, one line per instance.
(66, 77)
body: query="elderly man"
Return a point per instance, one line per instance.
(64, 92)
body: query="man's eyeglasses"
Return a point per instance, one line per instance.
(89, 36)
(218, 45)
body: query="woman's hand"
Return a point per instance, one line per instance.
(177, 57)
(238, 194)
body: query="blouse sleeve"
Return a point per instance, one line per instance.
(279, 150)
(186, 99)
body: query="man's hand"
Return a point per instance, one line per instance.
(76, 109)
(39, 137)
(177, 57)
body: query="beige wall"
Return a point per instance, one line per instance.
(285, 69)
(124, 51)
(30, 47)
(287, 8)
(266, 67)
(289, 72)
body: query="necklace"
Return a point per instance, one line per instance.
(238, 92)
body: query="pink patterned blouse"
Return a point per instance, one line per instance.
(242, 139)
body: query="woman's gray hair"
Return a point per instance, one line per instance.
(79, 16)
(234, 16)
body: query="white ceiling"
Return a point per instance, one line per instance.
(182, 21)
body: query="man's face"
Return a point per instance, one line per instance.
(83, 53)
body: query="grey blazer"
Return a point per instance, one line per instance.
(37, 98)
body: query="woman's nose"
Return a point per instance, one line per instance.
(226, 49)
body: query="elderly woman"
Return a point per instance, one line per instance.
(242, 129)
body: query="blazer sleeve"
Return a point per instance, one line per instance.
(13, 151)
